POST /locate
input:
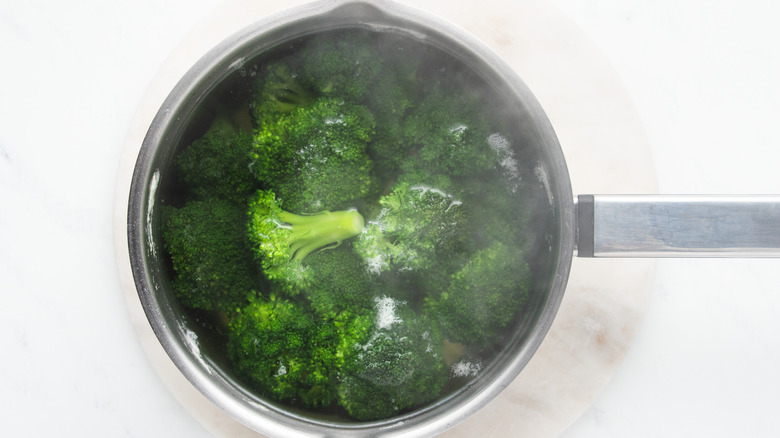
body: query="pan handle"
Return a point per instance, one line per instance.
(678, 226)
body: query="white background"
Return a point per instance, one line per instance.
(704, 78)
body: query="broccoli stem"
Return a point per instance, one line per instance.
(311, 232)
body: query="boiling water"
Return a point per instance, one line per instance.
(506, 202)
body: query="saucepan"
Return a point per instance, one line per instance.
(564, 226)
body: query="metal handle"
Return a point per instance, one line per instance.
(678, 226)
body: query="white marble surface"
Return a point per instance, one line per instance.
(702, 76)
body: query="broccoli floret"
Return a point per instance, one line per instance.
(483, 297)
(217, 164)
(337, 281)
(449, 130)
(277, 91)
(510, 213)
(314, 157)
(342, 65)
(281, 240)
(390, 98)
(210, 254)
(397, 364)
(415, 223)
(284, 352)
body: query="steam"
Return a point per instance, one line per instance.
(506, 160)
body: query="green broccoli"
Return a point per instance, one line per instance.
(415, 223)
(390, 98)
(449, 130)
(337, 281)
(396, 364)
(314, 157)
(483, 297)
(509, 213)
(502, 193)
(217, 164)
(281, 239)
(277, 91)
(210, 254)
(340, 64)
(284, 352)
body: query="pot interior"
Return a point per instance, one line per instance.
(530, 165)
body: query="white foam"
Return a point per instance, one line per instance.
(426, 189)
(335, 120)
(375, 265)
(459, 129)
(385, 313)
(465, 369)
